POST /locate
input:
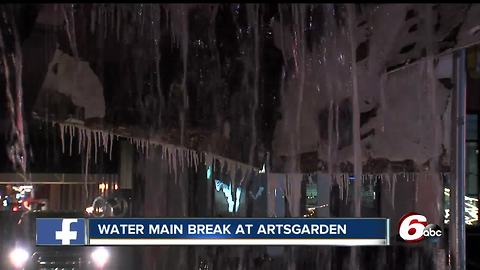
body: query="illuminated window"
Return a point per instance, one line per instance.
(233, 206)
(471, 209)
(471, 177)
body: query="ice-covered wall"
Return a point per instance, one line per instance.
(260, 78)
(193, 85)
(75, 79)
(405, 112)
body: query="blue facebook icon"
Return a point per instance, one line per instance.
(60, 231)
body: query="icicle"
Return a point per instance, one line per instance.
(182, 159)
(86, 133)
(195, 160)
(189, 156)
(253, 18)
(357, 149)
(106, 141)
(147, 150)
(192, 161)
(208, 160)
(110, 140)
(62, 137)
(80, 140)
(166, 156)
(171, 160)
(95, 144)
(164, 151)
(70, 27)
(175, 162)
(101, 140)
(17, 60)
(394, 183)
(70, 132)
(87, 161)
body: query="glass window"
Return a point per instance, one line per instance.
(472, 169)
(471, 185)
(472, 127)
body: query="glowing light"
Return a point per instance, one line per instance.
(23, 188)
(227, 191)
(209, 172)
(100, 257)
(26, 205)
(18, 257)
(237, 201)
(263, 169)
(471, 209)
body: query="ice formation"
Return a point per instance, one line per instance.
(352, 89)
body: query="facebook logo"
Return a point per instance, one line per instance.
(61, 231)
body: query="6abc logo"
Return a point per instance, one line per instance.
(414, 227)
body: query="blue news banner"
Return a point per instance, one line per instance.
(213, 231)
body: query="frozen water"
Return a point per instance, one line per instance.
(208, 68)
(12, 65)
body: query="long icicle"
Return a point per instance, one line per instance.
(16, 152)
(254, 19)
(18, 64)
(87, 163)
(357, 160)
(185, 43)
(70, 28)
